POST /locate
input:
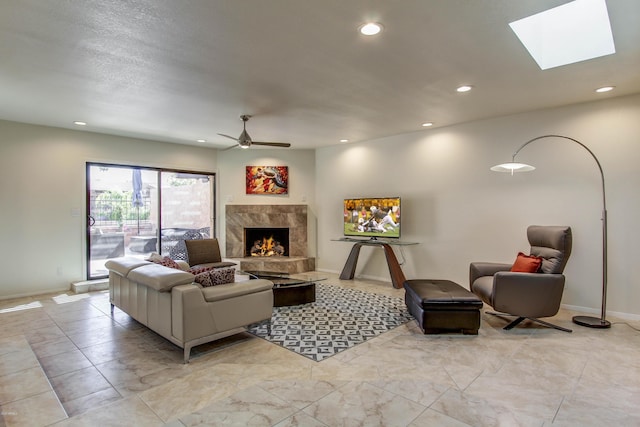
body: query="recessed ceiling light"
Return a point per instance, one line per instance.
(80, 123)
(573, 32)
(370, 29)
(465, 88)
(605, 89)
(427, 124)
(344, 140)
(201, 140)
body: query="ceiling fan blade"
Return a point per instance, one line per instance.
(227, 136)
(272, 144)
(230, 148)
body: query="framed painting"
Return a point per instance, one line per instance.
(267, 179)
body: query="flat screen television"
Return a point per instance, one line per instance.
(372, 217)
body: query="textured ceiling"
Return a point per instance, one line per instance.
(177, 71)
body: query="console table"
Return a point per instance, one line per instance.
(397, 276)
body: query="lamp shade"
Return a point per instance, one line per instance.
(513, 167)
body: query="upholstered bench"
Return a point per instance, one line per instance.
(442, 306)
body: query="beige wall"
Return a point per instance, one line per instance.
(232, 165)
(42, 194)
(460, 212)
(452, 205)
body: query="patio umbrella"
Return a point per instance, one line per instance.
(136, 197)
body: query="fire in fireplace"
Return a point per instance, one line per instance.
(266, 242)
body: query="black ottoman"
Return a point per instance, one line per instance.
(442, 306)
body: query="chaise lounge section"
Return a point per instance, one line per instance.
(170, 303)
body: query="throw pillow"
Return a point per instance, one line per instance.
(197, 270)
(221, 276)
(204, 279)
(154, 257)
(166, 261)
(216, 276)
(526, 263)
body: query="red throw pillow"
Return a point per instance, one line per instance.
(526, 263)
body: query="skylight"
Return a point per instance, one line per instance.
(566, 34)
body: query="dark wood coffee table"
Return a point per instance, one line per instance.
(291, 289)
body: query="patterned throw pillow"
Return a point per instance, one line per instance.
(203, 279)
(221, 276)
(166, 261)
(214, 277)
(198, 270)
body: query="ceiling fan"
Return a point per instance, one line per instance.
(245, 141)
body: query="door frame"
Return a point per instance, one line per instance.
(159, 170)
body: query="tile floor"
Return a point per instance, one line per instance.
(65, 362)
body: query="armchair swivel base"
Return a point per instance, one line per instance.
(519, 319)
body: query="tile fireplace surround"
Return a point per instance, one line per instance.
(294, 217)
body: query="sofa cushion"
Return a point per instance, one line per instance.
(124, 265)
(212, 265)
(203, 251)
(159, 277)
(233, 290)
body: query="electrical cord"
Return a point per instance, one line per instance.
(403, 258)
(625, 323)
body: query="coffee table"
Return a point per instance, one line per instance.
(291, 289)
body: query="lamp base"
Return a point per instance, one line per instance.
(591, 322)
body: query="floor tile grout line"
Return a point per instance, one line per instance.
(56, 392)
(44, 373)
(515, 346)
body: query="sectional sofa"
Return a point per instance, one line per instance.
(170, 303)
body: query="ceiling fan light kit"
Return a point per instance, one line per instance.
(245, 141)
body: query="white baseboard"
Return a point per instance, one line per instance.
(597, 312)
(33, 294)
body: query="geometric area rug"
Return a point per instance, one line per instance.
(339, 319)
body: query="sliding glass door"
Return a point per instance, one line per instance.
(186, 211)
(135, 211)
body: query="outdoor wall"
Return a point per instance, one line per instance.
(460, 212)
(42, 194)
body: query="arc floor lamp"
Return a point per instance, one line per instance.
(513, 166)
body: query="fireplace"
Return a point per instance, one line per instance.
(293, 218)
(266, 242)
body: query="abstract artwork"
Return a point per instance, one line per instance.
(267, 179)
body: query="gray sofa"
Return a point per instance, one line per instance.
(167, 301)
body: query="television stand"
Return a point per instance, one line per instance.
(349, 270)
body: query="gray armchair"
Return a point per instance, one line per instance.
(527, 295)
